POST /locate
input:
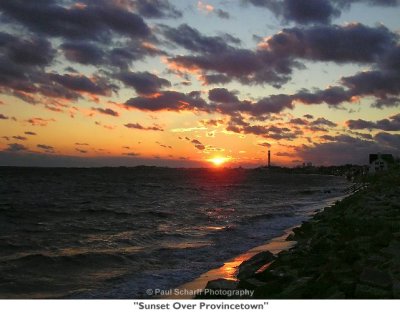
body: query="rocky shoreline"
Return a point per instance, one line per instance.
(350, 250)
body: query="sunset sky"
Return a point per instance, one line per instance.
(198, 83)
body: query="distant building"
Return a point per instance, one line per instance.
(380, 162)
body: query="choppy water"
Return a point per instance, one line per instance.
(114, 232)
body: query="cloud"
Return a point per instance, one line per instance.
(391, 141)
(222, 14)
(30, 133)
(276, 57)
(15, 147)
(222, 95)
(33, 51)
(106, 111)
(46, 148)
(140, 127)
(323, 122)
(81, 83)
(265, 144)
(131, 154)
(192, 40)
(156, 9)
(299, 122)
(37, 121)
(237, 125)
(19, 137)
(93, 20)
(388, 124)
(197, 144)
(82, 151)
(83, 52)
(312, 11)
(143, 82)
(346, 149)
(168, 100)
(3, 117)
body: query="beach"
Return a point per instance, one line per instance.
(350, 250)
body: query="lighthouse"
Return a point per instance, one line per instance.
(269, 158)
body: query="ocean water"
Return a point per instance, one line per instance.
(115, 232)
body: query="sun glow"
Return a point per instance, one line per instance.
(218, 161)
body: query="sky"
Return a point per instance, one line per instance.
(198, 83)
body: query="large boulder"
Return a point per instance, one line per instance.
(222, 283)
(370, 292)
(376, 278)
(249, 267)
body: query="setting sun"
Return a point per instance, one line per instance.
(218, 161)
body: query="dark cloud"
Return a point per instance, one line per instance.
(131, 154)
(299, 122)
(276, 57)
(168, 100)
(30, 133)
(34, 51)
(191, 39)
(388, 124)
(46, 148)
(391, 141)
(81, 83)
(350, 43)
(3, 117)
(37, 121)
(140, 127)
(83, 53)
(106, 111)
(323, 122)
(327, 137)
(15, 147)
(82, 151)
(197, 144)
(265, 144)
(143, 82)
(22, 72)
(308, 116)
(237, 125)
(222, 95)
(312, 11)
(222, 14)
(19, 137)
(345, 149)
(92, 20)
(156, 9)
(215, 79)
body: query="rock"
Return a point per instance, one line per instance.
(337, 295)
(252, 283)
(396, 290)
(249, 267)
(290, 237)
(376, 278)
(222, 283)
(393, 250)
(369, 292)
